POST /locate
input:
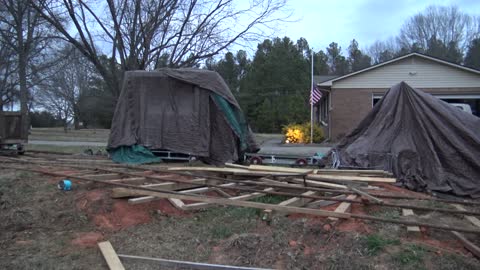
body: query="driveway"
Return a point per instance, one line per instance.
(275, 146)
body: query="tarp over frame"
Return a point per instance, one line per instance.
(189, 111)
(433, 145)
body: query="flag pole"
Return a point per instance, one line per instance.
(311, 104)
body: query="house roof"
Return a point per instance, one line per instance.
(322, 78)
(434, 59)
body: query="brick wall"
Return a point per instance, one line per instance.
(351, 105)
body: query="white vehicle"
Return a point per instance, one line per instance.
(462, 106)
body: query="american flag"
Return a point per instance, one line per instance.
(315, 94)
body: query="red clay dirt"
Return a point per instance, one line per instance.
(87, 239)
(115, 215)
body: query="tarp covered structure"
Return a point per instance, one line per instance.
(190, 111)
(432, 146)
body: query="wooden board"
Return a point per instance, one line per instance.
(470, 246)
(295, 201)
(351, 178)
(105, 176)
(314, 183)
(414, 230)
(172, 264)
(279, 169)
(344, 207)
(196, 206)
(475, 221)
(224, 201)
(122, 192)
(322, 203)
(153, 198)
(110, 256)
(238, 166)
(208, 169)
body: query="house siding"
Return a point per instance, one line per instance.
(417, 72)
(351, 105)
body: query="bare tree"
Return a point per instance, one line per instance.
(381, 51)
(71, 79)
(8, 73)
(446, 24)
(148, 34)
(22, 32)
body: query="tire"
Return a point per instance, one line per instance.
(301, 162)
(20, 149)
(256, 160)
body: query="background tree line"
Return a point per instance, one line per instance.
(67, 58)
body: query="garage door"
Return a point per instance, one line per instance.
(472, 100)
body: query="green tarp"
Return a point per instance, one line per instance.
(133, 154)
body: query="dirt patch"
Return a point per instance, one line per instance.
(88, 239)
(114, 215)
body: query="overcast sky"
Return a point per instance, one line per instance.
(324, 21)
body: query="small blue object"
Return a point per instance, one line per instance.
(65, 185)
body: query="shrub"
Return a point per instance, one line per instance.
(300, 133)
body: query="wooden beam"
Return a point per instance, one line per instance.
(110, 256)
(470, 246)
(230, 201)
(172, 264)
(344, 207)
(105, 176)
(326, 177)
(475, 221)
(318, 183)
(279, 169)
(295, 201)
(237, 166)
(177, 185)
(366, 195)
(245, 197)
(322, 203)
(131, 179)
(414, 230)
(145, 199)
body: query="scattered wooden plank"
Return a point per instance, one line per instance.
(318, 184)
(172, 264)
(208, 169)
(145, 199)
(474, 249)
(131, 179)
(475, 221)
(222, 193)
(245, 197)
(366, 195)
(323, 203)
(414, 230)
(177, 185)
(105, 176)
(110, 256)
(237, 166)
(343, 208)
(279, 169)
(351, 178)
(223, 201)
(295, 201)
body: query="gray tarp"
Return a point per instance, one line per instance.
(434, 146)
(174, 109)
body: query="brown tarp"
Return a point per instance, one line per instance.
(429, 144)
(174, 109)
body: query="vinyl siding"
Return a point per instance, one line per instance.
(417, 72)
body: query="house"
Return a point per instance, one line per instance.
(347, 99)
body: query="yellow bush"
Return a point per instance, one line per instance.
(300, 133)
